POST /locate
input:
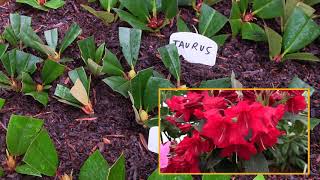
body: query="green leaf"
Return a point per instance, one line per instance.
(216, 177)
(104, 16)
(132, 20)
(15, 62)
(268, 9)
(41, 97)
(138, 8)
(259, 177)
(99, 53)
(138, 86)
(275, 42)
(108, 4)
(118, 169)
(253, 32)
(235, 18)
(3, 49)
(26, 169)
(52, 38)
(150, 98)
(1, 172)
(130, 40)
(4, 80)
(28, 85)
(54, 4)
(256, 164)
(19, 23)
(216, 83)
(156, 176)
(311, 2)
(51, 71)
(80, 73)
(306, 8)
(94, 68)
(21, 131)
(169, 8)
(296, 82)
(302, 56)
(314, 122)
(111, 64)
(94, 168)
(181, 25)
(87, 48)
(2, 101)
(42, 155)
(300, 31)
(63, 94)
(234, 82)
(71, 35)
(220, 39)
(9, 36)
(170, 58)
(243, 4)
(33, 3)
(118, 84)
(211, 21)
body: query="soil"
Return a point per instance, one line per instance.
(75, 140)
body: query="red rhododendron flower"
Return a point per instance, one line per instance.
(296, 104)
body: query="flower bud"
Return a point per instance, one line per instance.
(39, 87)
(11, 162)
(66, 177)
(143, 115)
(132, 74)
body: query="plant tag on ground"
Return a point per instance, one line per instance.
(153, 140)
(195, 48)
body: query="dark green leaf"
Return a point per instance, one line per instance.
(4, 80)
(275, 42)
(26, 169)
(130, 40)
(220, 39)
(211, 21)
(2, 101)
(19, 23)
(314, 122)
(94, 168)
(132, 20)
(235, 18)
(150, 98)
(108, 4)
(259, 177)
(170, 58)
(253, 32)
(3, 49)
(28, 85)
(118, 84)
(21, 131)
(63, 94)
(87, 48)
(52, 38)
(111, 64)
(80, 73)
(138, 86)
(170, 8)
(104, 16)
(268, 9)
(117, 170)
(41, 97)
(42, 155)
(216, 83)
(302, 56)
(138, 8)
(33, 3)
(71, 35)
(156, 176)
(94, 68)
(99, 53)
(243, 4)
(1, 172)
(300, 31)
(296, 82)
(54, 4)
(9, 36)
(181, 25)
(51, 71)
(256, 164)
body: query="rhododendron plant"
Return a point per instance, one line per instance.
(228, 126)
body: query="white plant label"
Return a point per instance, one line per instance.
(195, 48)
(153, 140)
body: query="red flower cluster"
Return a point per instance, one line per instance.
(236, 122)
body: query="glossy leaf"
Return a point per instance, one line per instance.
(275, 42)
(220, 39)
(33, 3)
(311, 2)
(52, 38)
(42, 155)
(150, 98)
(94, 68)
(296, 82)
(243, 5)
(268, 9)
(21, 131)
(4, 80)
(51, 71)
(63, 95)
(41, 97)
(2, 101)
(138, 86)
(256, 164)
(118, 84)
(80, 73)
(54, 4)
(259, 177)
(111, 64)
(104, 16)
(132, 20)
(314, 122)
(117, 170)
(302, 56)
(235, 18)
(181, 25)
(3, 49)
(138, 8)
(19, 23)
(87, 48)
(26, 169)
(130, 40)
(108, 4)
(156, 176)
(8, 35)
(170, 8)
(71, 35)
(95, 167)
(216, 83)
(253, 32)
(28, 85)
(211, 21)
(79, 92)
(170, 58)
(300, 31)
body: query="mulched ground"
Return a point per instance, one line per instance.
(75, 140)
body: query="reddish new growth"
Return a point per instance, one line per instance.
(41, 2)
(199, 5)
(277, 58)
(237, 124)
(88, 109)
(155, 23)
(248, 17)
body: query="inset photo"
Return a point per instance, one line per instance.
(234, 131)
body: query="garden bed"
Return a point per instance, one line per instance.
(75, 140)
